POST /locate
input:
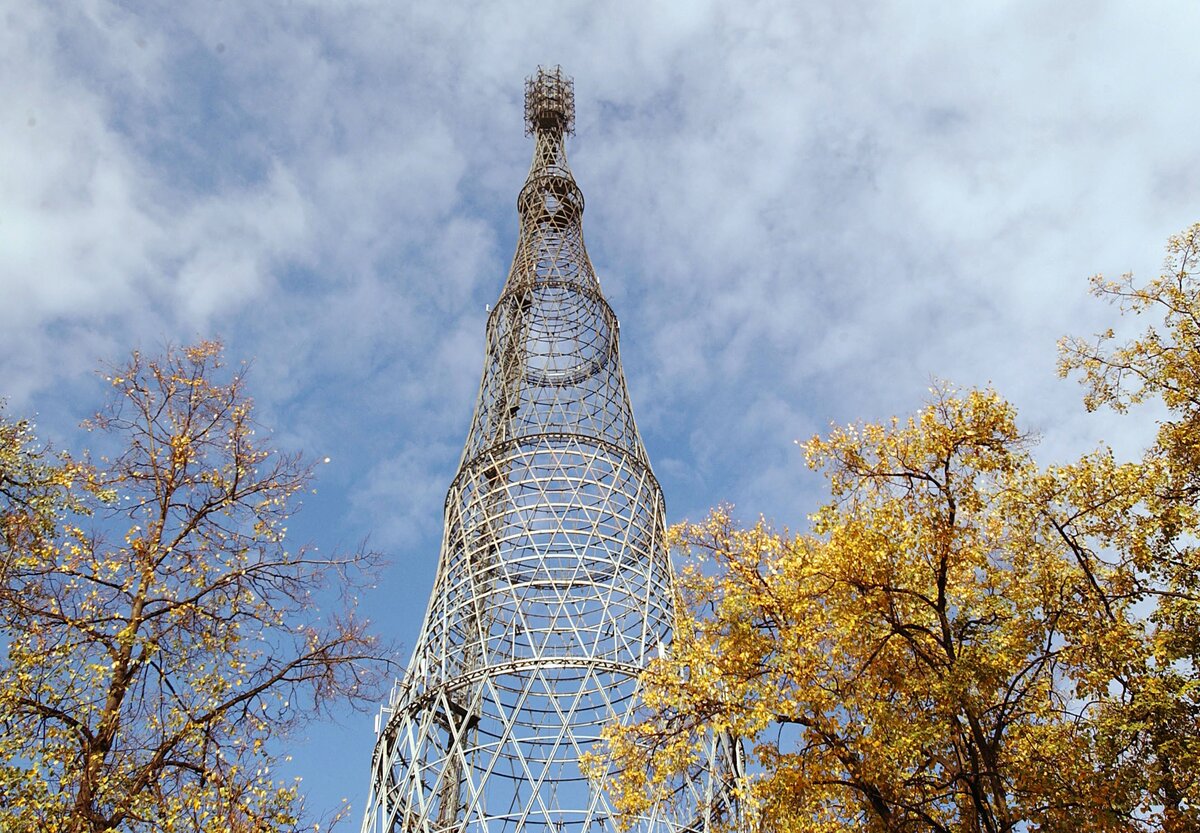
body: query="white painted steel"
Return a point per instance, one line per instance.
(553, 587)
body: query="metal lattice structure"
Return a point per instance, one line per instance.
(553, 587)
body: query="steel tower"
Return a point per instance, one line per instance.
(553, 587)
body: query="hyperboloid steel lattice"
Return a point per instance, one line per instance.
(553, 587)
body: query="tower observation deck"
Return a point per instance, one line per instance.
(553, 586)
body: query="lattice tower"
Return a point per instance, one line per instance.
(553, 587)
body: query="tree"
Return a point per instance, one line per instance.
(166, 634)
(1145, 532)
(34, 490)
(963, 641)
(909, 665)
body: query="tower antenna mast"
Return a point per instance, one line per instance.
(553, 587)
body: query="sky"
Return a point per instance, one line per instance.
(803, 213)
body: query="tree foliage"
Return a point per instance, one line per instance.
(34, 491)
(904, 666)
(164, 632)
(963, 640)
(1145, 534)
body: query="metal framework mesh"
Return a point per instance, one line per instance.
(553, 586)
(549, 102)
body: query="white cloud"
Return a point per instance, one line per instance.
(801, 213)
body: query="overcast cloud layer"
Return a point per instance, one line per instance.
(801, 212)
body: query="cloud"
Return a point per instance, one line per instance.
(801, 213)
(100, 247)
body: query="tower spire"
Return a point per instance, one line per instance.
(553, 587)
(549, 103)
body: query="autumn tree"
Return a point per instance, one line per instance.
(963, 640)
(908, 665)
(34, 491)
(166, 635)
(1142, 527)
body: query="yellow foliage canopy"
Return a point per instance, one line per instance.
(963, 640)
(159, 632)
